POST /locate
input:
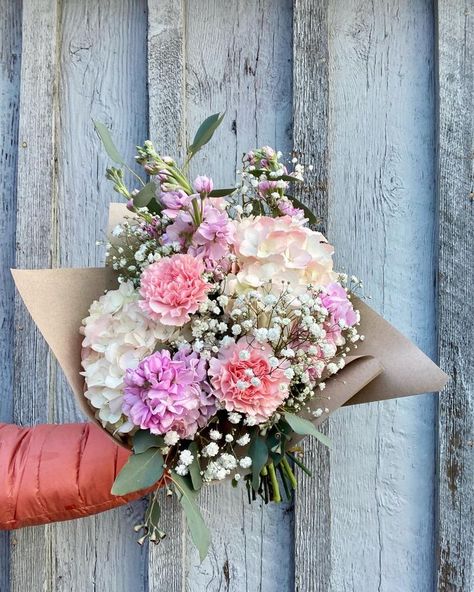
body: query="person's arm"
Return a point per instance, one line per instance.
(50, 473)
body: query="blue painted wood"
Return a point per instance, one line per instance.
(10, 42)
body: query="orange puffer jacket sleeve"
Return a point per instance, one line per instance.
(50, 473)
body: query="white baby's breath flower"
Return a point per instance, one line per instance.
(210, 449)
(234, 417)
(215, 435)
(186, 458)
(171, 438)
(181, 470)
(243, 440)
(245, 462)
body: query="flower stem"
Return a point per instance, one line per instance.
(289, 472)
(300, 464)
(275, 487)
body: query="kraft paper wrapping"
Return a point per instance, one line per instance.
(384, 366)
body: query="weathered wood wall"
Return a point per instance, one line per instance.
(353, 86)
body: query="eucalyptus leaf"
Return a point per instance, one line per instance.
(258, 452)
(289, 178)
(303, 427)
(144, 440)
(195, 467)
(205, 132)
(222, 192)
(199, 532)
(153, 513)
(141, 471)
(307, 212)
(108, 143)
(145, 195)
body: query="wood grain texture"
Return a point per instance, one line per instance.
(31, 563)
(102, 65)
(10, 50)
(310, 142)
(166, 116)
(238, 58)
(455, 47)
(381, 219)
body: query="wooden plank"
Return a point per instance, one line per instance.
(238, 57)
(455, 50)
(381, 219)
(102, 65)
(10, 49)
(310, 141)
(166, 108)
(30, 551)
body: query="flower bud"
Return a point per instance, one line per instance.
(203, 185)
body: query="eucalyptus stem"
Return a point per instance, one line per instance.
(300, 464)
(289, 472)
(274, 481)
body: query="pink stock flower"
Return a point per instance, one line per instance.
(172, 289)
(334, 299)
(174, 202)
(213, 237)
(265, 188)
(169, 393)
(258, 395)
(203, 185)
(181, 230)
(288, 209)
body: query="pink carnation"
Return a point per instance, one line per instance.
(172, 289)
(335, 299)
(228, 372)
(167, 393)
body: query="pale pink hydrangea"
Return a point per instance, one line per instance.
(173, 288)
(282, 250)
(166, 393)
(264, 391)
(334, 299)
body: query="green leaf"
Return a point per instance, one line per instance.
(108, 143)
(141, 471)
(153, 513)
(307, 212)
(205, 132)
(143, 440)
(288, 178)
(145, 195)
(303, 427)
(199, 532)
(258, 452)
(222, 192)
(195, 467)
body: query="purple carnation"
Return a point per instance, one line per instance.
(167, 393)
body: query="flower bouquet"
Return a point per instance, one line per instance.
(219, 333)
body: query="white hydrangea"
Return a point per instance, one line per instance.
(117, 336)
